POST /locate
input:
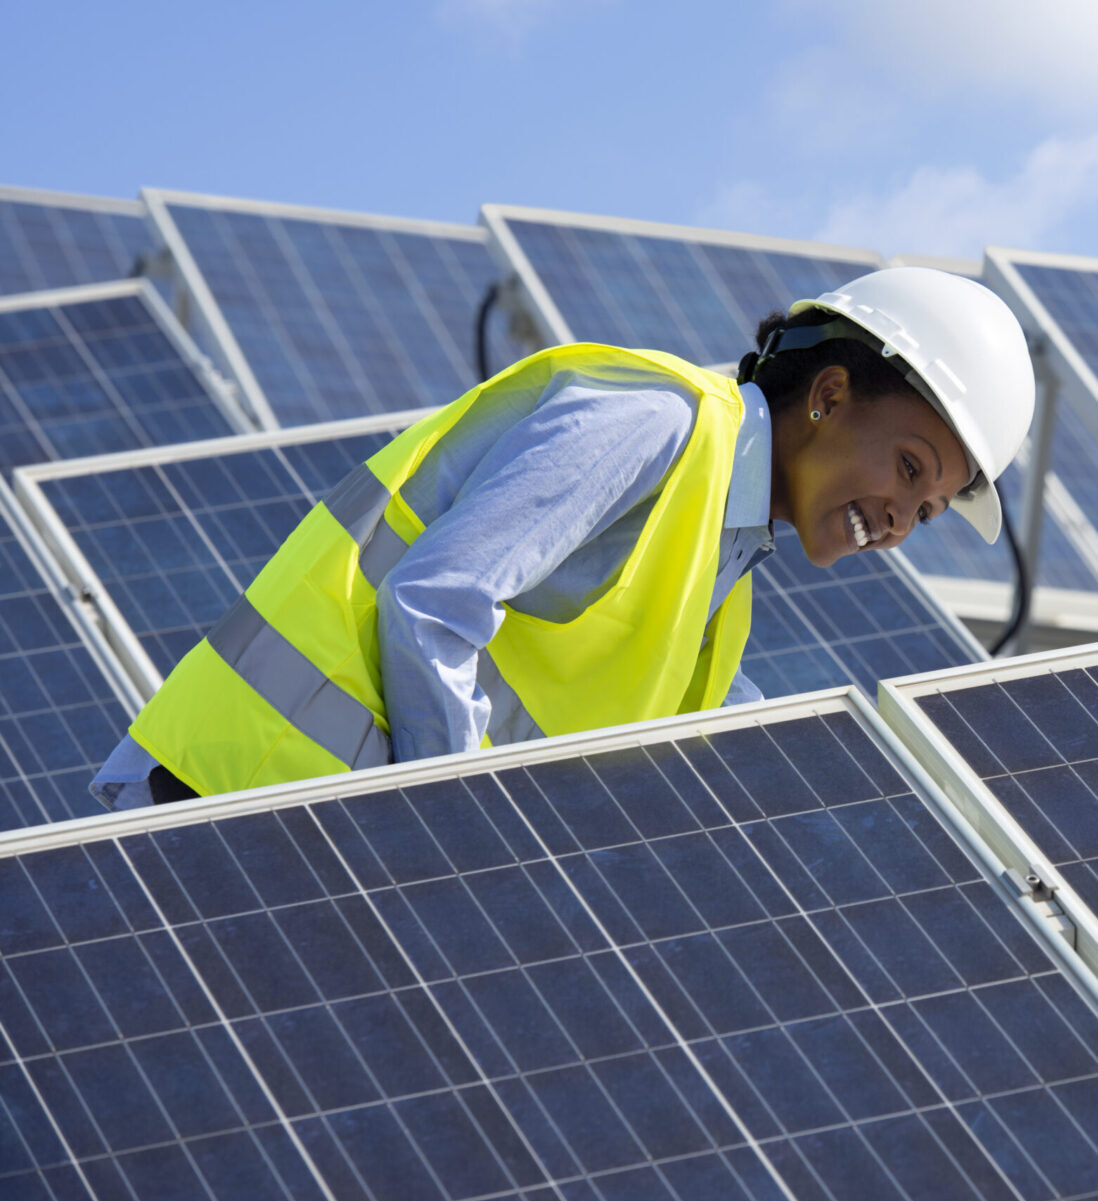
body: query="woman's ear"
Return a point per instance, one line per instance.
(830, 387)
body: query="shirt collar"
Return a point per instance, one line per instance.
(749, 493)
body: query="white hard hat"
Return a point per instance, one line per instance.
(967, 355)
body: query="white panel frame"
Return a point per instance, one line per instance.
(194, 285)
(1062, 375)
(81, 581)
(1063, 610)
(446, 767)
(1077, 382)
(533, 297)
(72, 200)
(74, 603)
(847, 700)
(971, 809)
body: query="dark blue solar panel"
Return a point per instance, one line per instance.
(59, 718)
(95, 376)
(341, 319)
(850, 623)
(748, 966)
(44, 245)
(174, 543)
(1034, 742)
(698, 299)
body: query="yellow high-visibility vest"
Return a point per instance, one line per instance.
(287, 685)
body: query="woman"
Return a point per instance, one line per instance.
(569, 545)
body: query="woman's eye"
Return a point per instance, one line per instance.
(909, 467)
(924, 514)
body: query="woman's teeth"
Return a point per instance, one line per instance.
(860, 535)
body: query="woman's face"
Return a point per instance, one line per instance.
(864, 474)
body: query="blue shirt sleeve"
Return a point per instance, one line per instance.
(579, 461)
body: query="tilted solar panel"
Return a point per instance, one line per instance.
(1053, 296)
(1022, 737)
(55, 240)
(694, 292)
(741, 960)
(172, 539)
(99, 369)
(321, 315)
(60, 707)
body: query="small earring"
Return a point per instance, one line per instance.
(815, 414)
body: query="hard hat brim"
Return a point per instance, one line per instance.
(980, 507)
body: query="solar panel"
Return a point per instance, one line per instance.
(98, 369)
(1053, 297)
(172, 537)
(61, 705)
(853, 622)
(736, 959)
(1017, 743)
(694, 292)
(55, 240)
(168, 539)
(320, 315)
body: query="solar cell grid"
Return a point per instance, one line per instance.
(1033, 740)
(92, 372)
(749, 964)
(695, 294)
(174, 543)
(52, 241)
(335, 316)
(59, 716)
(858, 620)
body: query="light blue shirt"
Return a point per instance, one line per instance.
(547, 515)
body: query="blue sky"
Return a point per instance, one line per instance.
(929, 128)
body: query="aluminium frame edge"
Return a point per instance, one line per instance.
(193, 281)
(82, 585)
(638, 227)
(281, 210)
(444, 767)
(1077, 383)
(228, 444)
(112, 205)
(52, 573)
(532, 293)
(980, 820)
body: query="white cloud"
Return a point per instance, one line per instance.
(958, 210)
(1043, 52)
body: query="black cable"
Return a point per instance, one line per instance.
(1021, 585)
(482, 330)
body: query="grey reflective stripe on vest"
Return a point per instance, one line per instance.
(382, 553)
(508, 720)
(358, 504)
(297, 689)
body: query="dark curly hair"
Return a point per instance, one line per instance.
(785, 378)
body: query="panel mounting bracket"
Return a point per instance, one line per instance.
(1032, 888)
